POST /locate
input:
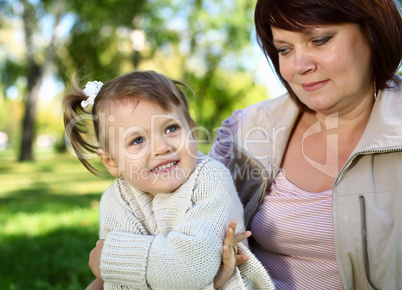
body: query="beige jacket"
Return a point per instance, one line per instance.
(367, 193)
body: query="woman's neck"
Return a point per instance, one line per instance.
(347, 123)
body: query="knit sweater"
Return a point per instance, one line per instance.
(174, 240)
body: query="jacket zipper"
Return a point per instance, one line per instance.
(363, 207)
(364, 240)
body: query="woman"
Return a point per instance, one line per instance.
(319, 170)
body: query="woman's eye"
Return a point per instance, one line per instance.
(137, 141)
(283, 51)
(322, 40)
(172, 128)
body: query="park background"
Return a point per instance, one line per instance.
(48, 201)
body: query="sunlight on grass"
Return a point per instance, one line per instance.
(33, 224)
(48, 221)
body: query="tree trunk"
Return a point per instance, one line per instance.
(28, 127)
(36, 73)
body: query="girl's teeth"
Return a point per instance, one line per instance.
(164, 166)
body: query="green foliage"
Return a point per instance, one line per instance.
(12, 70)
(94, 47)
(204, 43)
(48, 222)
(225, 93)
(211, 55)
(11, 110)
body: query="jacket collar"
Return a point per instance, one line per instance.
(384, 129)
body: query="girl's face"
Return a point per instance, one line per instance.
(154, 149)
(328, 66)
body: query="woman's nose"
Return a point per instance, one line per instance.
(303, 62)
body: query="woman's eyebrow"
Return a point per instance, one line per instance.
(278, 41)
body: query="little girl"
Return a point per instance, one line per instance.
(164, 218)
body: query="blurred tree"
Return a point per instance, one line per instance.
(100, 43)
(206, 43)
(90, 37)
(213, 54)
(36, 62)
(219, 48)
(36, 70)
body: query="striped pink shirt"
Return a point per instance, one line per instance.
(294, 237)
(292, 230)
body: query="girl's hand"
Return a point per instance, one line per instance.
(230, 258)
(94, 259)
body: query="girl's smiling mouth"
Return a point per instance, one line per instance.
(165, 167)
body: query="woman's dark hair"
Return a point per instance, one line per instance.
(379, 20)
(133, 87)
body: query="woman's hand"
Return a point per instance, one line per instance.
(95, 285)
(230, 258)
(94, 259)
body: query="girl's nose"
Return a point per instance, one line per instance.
(161, 146)
(303, 62)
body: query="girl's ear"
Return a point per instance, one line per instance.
(109, 163)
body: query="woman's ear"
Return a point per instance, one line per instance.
(109, 163)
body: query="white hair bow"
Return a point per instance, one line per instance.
(91, 91)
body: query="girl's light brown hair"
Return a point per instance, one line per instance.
(379, 20)
(133, 87)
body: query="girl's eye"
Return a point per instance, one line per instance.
(137, 141)
(172, 128)
(322, 40)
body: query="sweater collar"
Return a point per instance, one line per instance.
(161, 213)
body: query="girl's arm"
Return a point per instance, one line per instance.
(230, 259)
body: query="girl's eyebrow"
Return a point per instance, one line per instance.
(133, 134)
(170, 119)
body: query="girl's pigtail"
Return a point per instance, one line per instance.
(77, 122)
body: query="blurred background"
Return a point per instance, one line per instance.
(48, 201)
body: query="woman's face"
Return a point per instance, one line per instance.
(327, 66)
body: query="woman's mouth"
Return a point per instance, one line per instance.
(314, 86)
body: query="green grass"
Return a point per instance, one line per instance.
(48, 221)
